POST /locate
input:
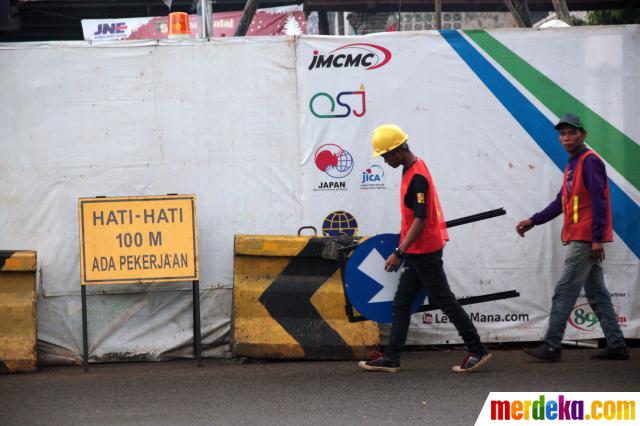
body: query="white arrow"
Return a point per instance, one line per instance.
(373, 266)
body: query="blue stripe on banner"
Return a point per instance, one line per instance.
(626, 213)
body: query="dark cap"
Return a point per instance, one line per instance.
(571, 120)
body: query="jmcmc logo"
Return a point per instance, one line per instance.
(354, 55)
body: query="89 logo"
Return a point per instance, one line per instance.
(584, 319)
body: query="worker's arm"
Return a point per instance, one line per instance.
(393, 261)
(553, 210)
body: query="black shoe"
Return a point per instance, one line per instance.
(472, 362)
(608, 353)
(380, 364)
(544, 352)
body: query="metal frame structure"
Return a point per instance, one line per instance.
(42, 20)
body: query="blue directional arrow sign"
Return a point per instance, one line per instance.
(369, 287)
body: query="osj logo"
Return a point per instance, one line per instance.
(372, 175)
(584, 319)
(116, 28)
(354, 55)
(334, 161)
(322, 104)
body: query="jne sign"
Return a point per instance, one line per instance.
(138, 239)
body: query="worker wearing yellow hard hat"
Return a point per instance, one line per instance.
(423, 236)
(386, 138)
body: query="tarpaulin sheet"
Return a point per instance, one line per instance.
(248, 126)
(145, 118)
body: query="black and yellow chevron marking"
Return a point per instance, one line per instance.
(288, 302)
(17, 311)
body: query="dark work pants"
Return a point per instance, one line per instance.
(426, 271)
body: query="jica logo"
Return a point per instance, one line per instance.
(115, 28)
(584, 319)
(323, 105)
(372, 177)
(354, 55)
(373, 174)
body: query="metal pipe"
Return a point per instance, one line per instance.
(476, 217)
(203, 19)
(85, 332)
(323, 22)
(562, 10)
(474, 299)
(247, 16)
(340, 23)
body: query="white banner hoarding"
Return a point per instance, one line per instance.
(479, 108)
(284, 141)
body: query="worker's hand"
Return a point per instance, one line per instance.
(393, 263)
(597, 252)
(523, 226)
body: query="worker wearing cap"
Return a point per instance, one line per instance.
(422, 239)
(585, 201)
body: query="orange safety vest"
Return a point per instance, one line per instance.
(576, 206)
(434, 234)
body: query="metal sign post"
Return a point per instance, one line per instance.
(85, 340)
(197, 347)
(135, 240)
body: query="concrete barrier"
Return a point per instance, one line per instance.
(288, 302)
(17, 311)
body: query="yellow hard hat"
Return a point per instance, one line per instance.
(387, 138)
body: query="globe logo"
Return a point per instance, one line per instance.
(334, 161)
(339, 223)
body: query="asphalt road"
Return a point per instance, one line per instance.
(226, 392)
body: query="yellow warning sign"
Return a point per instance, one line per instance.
(138, 239)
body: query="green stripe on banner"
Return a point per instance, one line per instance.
(619, 150)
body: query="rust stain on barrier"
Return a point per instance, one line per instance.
(17, 260)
